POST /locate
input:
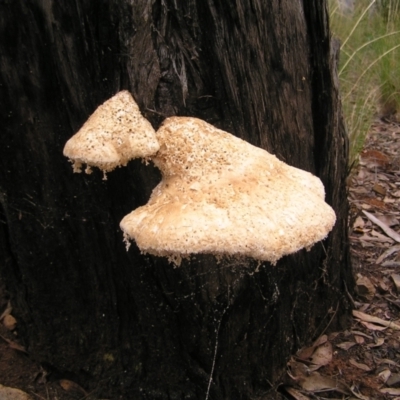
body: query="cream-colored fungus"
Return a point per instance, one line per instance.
(114, 134)
(221, 195)
(218, 195)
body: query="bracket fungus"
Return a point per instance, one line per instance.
(114, 134)
(218, 195)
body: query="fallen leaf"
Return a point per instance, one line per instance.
(70, 386)
(394, 379)
(388, 362)
(359, 190)
(362, 174)
(14, 345)
(9, 322)
(391, 264)
(357, 393)
(384, 375)
(359, 223)
(379, 342)
(383, 286)
(389, 220)
(321, 356)
(377, 188)
(396, 281)
(391, 391)
(373, 202)
(383, 177)
(359, 339)
(376, 237)
(333, 335)
(373, 327)
(297, 370)
(362, 334)
(382, 238)
(389, 200)
(375, 320)
(365, 288)
(364, 307)
(306, 353)
(364, 367)
(346, 345)
(9, 393)
(387, 253)
(374, 158)
(365, 244)
(389, 231)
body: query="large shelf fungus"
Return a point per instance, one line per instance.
(220, 195)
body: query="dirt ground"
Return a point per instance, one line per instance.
(361, 363)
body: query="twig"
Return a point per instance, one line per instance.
(38, 396)
(330, 321)
(390, 232)
(353, 303)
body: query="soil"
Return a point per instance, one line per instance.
(360, 363)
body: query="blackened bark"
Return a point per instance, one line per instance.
(144, 329)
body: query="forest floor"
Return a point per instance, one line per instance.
(364, 361)
(360, 363)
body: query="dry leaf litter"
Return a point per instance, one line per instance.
(364, 361)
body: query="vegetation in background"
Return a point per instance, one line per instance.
(369, 69)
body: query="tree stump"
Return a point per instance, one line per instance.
(129, 325)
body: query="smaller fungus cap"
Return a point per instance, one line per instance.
(221, 195)
(114, 134)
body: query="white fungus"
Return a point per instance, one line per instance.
(223, 196)
(114, 134)
(218, 195)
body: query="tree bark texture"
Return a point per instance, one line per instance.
(263, 71)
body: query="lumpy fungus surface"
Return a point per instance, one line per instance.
(218, 195)
(221, 195)
(114, 134)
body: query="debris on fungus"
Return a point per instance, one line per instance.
(218, 195)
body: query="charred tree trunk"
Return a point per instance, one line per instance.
(264, 71)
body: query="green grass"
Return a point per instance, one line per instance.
(369, 69)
